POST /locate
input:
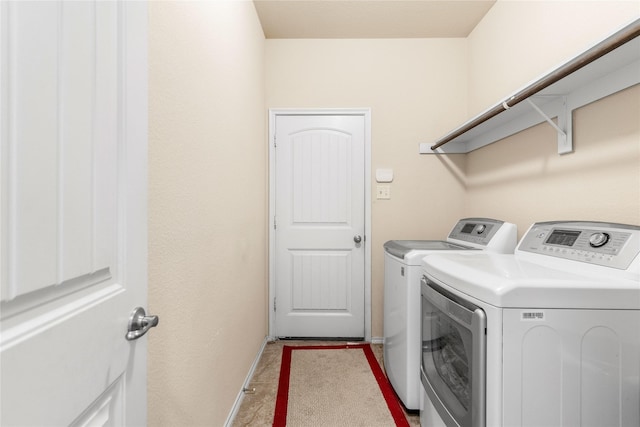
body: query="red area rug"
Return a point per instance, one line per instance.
(334, 385)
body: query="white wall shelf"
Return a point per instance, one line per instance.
(610, 73)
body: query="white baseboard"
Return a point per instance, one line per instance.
(245, 384)
(377, 340)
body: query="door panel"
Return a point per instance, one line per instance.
(73, 212)
(61, 166)
(319, 209)
(321, 178)
(321, 280)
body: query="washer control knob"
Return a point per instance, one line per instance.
(598, 239)
(481, 229)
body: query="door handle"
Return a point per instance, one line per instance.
(139, 324)
(357, 238)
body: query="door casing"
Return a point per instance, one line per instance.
(366, 113)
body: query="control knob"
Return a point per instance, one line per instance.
(481, 229)
(598, 239)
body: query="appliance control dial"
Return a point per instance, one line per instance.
(598, 239)
(481, 229)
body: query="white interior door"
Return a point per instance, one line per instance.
(320, 225)
(73, 127)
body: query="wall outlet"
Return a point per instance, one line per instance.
(383, 192)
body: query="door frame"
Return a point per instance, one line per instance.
(366, 113)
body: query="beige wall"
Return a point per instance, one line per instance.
(415, 89)
(519, 41)
(524, 180)
(207, 207)
(419, 89)
(212, 76)
(601, 179)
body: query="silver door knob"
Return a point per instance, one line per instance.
(139, 324)
(357, 238)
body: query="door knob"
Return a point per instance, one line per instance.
(357, 238)
(139, 324)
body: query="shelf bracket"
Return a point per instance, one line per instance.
(564, 126)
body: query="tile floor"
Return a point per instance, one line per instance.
(257, 406)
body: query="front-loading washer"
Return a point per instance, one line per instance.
(402, 294)
(546, 336)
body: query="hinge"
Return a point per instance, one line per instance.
(275, 226)
(275, 144)
(274, 304)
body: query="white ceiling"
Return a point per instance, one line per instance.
(287, 19)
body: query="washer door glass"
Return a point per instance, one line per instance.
(449, 356)
(448, 359)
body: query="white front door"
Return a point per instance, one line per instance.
(73, 125)
(319, 225)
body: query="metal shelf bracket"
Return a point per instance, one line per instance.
(564, 126)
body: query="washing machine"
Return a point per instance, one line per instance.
(402, 294)
(548, 336)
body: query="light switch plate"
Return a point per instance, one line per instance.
(383, 192)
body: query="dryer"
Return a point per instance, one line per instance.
(402, 267)
(546, 336)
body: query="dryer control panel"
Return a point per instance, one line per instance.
(606, 244)
(476, 230)
(485, 233)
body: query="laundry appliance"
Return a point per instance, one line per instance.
(548, 336)
(402, 294)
